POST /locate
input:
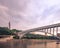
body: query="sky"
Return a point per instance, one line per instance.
(27, 14)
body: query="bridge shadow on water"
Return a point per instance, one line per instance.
(26, 43)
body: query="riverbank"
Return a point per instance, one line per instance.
(5, 38)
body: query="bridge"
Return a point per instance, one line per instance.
(49, 29)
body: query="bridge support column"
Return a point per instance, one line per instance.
(56, 30)
(53, 31)
(50, 30)
(45, 33)
(47, 30)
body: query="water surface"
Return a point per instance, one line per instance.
(29, 43)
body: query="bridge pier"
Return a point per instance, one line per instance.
(47, 30)
(56, 30)
(45, 33)
(50, 30)
(53, 31)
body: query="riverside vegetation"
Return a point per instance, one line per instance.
(34, 36)
(6, 31)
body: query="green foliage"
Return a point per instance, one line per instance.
(32, 36)
(15, 30)
(4, 31)
(16, 37)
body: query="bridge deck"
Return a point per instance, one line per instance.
(43, 27)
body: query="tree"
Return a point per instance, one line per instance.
(4, 31)
(15, 30)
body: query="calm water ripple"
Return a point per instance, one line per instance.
(30, 43)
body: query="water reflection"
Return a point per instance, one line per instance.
(25, 43)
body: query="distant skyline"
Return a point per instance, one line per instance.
(27, 14)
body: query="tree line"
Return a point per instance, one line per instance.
(7, 31)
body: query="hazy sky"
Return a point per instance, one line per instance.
(26, 14)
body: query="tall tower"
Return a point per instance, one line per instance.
(9, 25)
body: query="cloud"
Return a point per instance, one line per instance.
(3, 15)
(26, 14)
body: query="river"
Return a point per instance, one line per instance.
(29, 43)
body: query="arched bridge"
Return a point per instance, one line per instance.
(49, 29)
